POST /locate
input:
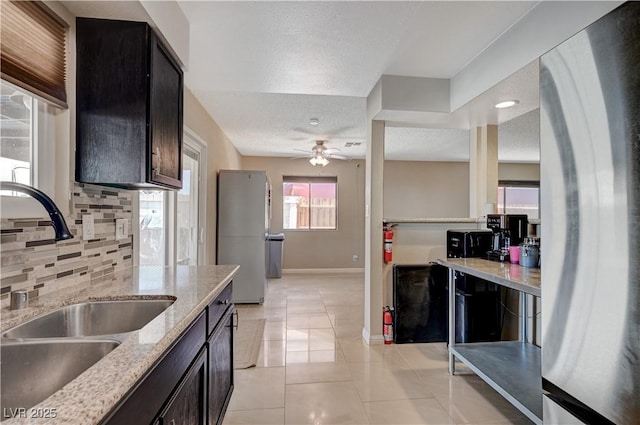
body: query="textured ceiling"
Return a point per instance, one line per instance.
(335, 48)
(263, 69)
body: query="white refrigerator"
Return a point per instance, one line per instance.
(243, 225)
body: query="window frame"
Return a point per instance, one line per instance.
(310, 180)
(192, 141)
(43, 173)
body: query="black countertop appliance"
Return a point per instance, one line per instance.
(508, 230)
(468, 243)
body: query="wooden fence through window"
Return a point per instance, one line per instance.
(321, 214)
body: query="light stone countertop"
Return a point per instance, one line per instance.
(525, 279)
(92, 395)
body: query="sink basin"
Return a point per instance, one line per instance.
(91, 319)
(31, 371)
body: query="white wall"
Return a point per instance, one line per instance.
(221, 155)
(426, 189)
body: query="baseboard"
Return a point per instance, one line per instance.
(323, 271)
(371, 339)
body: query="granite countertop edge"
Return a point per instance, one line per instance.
(91, 396)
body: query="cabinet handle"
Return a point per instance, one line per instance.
(235, 326)
(223, 302)
(156, 169)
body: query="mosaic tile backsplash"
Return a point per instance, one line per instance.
(31, 259)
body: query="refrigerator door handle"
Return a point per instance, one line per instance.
(553, 413)
(555, 398)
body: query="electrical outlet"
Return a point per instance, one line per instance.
(88, 228)
(355, 258)
(122, 228)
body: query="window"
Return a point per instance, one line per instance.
(17, 134)
(519, 198)
(153, 228)
(190, 210)
(309, 203)
(27, 132)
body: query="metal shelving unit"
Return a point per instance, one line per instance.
(512, 368)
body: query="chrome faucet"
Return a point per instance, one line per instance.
(57, 221)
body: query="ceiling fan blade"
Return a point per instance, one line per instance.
(331, 150)
(331, 156)
(302, 156)
(300, 150)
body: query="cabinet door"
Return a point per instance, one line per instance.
(188, 403)
(220, 368)
(166, 118)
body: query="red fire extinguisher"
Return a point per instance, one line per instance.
(388, 243)
(387, 325)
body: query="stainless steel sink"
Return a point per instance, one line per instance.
(31, 371)
(91, 319)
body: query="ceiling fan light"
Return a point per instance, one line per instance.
(324, 161)
(313, 161)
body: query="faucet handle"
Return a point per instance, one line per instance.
(19, 299)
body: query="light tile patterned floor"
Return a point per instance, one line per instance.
(314, 367)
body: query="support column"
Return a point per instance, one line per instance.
(373, 264)
(483, 168)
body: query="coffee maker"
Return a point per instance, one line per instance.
(508, 230)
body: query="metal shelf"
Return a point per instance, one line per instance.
(512, 368)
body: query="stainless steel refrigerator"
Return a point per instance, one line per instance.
(243, 225)
(590, 242)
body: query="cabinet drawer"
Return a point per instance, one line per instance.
(216, 309)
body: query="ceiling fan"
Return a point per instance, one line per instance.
(320, 154)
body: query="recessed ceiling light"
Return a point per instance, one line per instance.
(314, 121)
(506, 104)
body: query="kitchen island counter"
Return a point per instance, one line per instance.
(93, 394)
(512, 276)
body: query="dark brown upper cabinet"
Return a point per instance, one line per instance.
(129, 107)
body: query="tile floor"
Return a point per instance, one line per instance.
(314, 367)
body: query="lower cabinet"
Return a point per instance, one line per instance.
(188, 406)
(220, 368)
(193, 382)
